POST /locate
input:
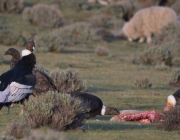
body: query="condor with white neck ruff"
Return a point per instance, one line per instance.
(94, 105)
(173, 100)
(18, 83)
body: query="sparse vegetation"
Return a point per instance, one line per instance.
(156, 56)
(17, 129)
(68, 80)
(108, 17)
(56, 40)
(142, 83)
(48, 135)
(175, 78)
(9, 37)
(74, 4)
(37, 15)
(55, 110)
(169, 38)
(11, 6)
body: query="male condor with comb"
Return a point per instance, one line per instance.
(18, 83)
(43, 81)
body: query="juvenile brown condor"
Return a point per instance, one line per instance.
(18, 83)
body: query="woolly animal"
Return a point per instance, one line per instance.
(147, 22)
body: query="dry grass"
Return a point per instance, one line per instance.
(18, 129)
(142, 83)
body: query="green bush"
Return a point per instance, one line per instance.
(156, 56)
(68, 80)
(44, 16)
(55, 110)
(169, 38)
(18, 129)
(108, 17)
(73, 4)
(175, 76)
(8, 37)
(142, 83)
(71, 34)
(49, 43)
(11, 6)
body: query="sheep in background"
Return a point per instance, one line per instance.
(148, 21)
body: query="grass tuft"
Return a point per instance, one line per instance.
(142, 83)
(102, 51)
(18, 129)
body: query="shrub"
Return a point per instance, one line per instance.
(11, 6)
(156, 56)
(49, 43)
(142, 83)
(37, 15)
(68, 80)
(55, 110)
(102, 51)
(8, 37)
(71, 34)
(171, 120)
(175, 78)
(129, 8)
(17, 129)
(73, 4)
(108, 17)
(169, 38)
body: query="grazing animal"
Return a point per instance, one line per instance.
(43, 82)
(147, 22)
(173, 100)
(18, 83)
(94, 105)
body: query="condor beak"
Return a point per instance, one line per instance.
(168, 106)
(6, 53)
